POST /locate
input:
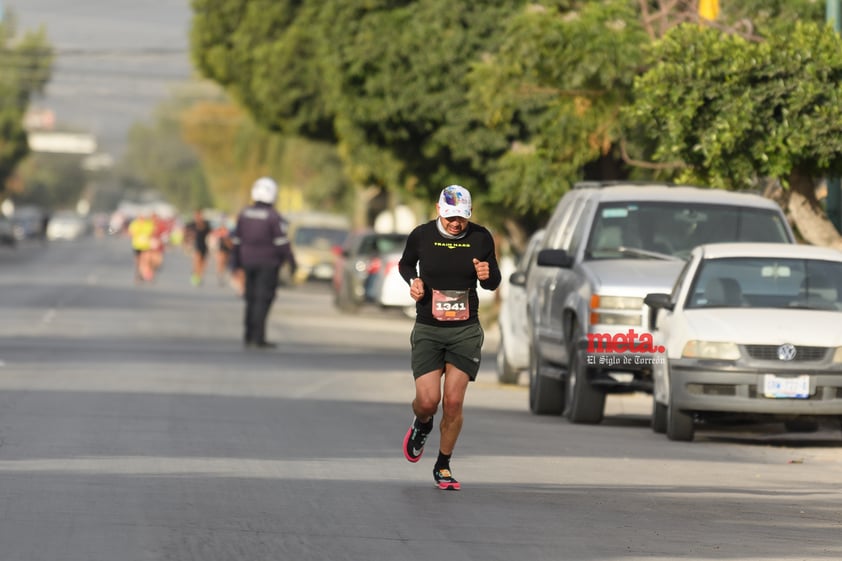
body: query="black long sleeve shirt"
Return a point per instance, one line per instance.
(446, 264)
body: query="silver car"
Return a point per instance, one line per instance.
(606, 246)
(513, 348)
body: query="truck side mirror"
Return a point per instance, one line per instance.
(518, 278)
(555, 258)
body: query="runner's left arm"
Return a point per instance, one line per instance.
(494, 276)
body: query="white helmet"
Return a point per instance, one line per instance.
(264, 190)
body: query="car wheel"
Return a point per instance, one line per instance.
(679, 424)
(801, 425)
(585, 403)
(506, 374)
(546, 395)
(659, 417)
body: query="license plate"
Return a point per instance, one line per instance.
(797, 387)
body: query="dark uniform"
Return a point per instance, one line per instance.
(260, 247)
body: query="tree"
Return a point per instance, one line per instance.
(516, 100)
(731, 112)
(234, 152)
(555, 88)
(158, 160)
(53, 181)
(25, 65)
(386, 80)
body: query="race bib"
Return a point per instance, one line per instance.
(451, 305)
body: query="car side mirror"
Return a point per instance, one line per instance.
(518, 278)
(657, 301)
(555, 258)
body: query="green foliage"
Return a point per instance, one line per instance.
(518, 100)
(158, 160)
(25, 64)
(770, 17)
(554, 88)
(53, 181)
(385, 79)
(730, 111)
(264, 53)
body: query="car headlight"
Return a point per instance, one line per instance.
(837, 356)
(618, 302)
(711, 350)
(616, 310)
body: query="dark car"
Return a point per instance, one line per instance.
(30, 222)
(361, 257)
(7, 232)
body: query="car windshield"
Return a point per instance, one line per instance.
(389, 243)
(767, 282)
(319, 236)
(666, 230)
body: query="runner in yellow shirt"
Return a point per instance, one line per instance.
(142, 230)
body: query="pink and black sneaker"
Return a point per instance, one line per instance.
(444, 479)
(413, 442)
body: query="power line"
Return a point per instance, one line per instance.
(122, 52)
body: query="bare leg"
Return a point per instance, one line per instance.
(455, 385)
(427, 395)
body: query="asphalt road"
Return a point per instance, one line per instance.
(134, 426)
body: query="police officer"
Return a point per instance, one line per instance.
(260, 247)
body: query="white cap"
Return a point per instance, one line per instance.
(455, 200)
(264, 190)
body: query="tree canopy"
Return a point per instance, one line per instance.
(25, 66)
(728, 111)
(386, 80)
(518, 100)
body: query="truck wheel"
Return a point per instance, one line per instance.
(506, 374)
(546, 395)
(679, 424)
(659, 417)
(585, 402)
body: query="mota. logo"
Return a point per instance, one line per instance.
(631, 342)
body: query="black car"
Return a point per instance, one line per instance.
(7, 232)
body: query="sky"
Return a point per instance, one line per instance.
(117, 60)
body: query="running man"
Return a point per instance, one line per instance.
(452, 255)
(197, 235)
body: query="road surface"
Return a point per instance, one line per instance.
(134, 426)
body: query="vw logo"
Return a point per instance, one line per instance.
(786, 352)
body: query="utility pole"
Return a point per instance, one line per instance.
(833, 202)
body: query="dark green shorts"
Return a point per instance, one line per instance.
(432, 347)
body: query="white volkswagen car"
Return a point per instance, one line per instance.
(750, 330)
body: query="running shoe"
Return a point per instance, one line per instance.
(444, 479)
(413, 442)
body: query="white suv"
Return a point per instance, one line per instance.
(606, 246)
